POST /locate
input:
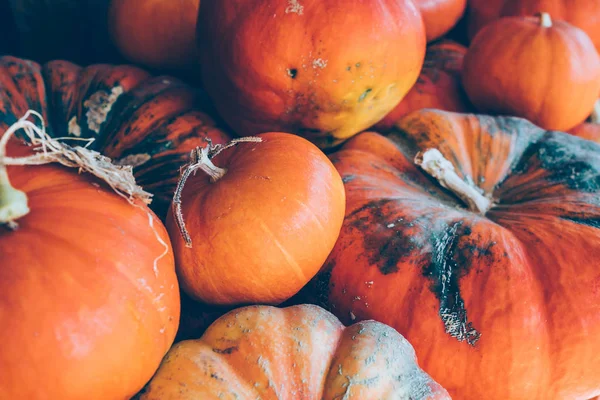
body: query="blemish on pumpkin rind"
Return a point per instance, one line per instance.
(99, 105)
(448, 264)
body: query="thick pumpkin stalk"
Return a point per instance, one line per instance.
(201, 159)
(436, 165)
(13, 202)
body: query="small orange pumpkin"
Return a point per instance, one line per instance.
(511, 68)
(260, 225)
(295, 353)
(590, 129)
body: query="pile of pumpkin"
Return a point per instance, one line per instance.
(332, 170)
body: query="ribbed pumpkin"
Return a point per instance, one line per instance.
(493, 281)
(325, 70)
(148, 122)
(300, 353)
(439, 85)
(155, 33)
(522, 76)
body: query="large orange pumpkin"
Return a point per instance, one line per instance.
(155, 33)
(90, 300)
(582, 13)
(261, 221)
(438, 86)
(501, 299)
(440, 16)
(148, 122)
(512, 68)
(296, 353)
(323, 69)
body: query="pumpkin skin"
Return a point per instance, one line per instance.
(440, 16)
(322, 76)
(149, 122)
(315, 357)
(509, 299)
(584, 14)
(522, 80)
(155, 33)
(88, 307)
(439, 85)
(262, 231)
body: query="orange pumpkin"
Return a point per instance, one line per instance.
(440, 16)
(155, 33)
(300, 353)
(438, 86)
(521, 76)
(148, 122)
(501, 298)
(584, 14)
(260, 225)
(90, 300)
(325, 70)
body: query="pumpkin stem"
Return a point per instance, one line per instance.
(13, 202)
(436, 165)
(545, 20)
(595, 116)
(201, 158)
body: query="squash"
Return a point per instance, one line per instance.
(440, 16)
(324, 70)
(584, 14)
(300, 352)
(257, 224)
(438, 86)
(521, 75)
(150, 123)
(90, 300)
(155, 33)
(500, 298)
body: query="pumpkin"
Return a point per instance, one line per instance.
(155, 33)
(500, 298)
(440, 16)
(300, 352)
(521, 78)
(150, 123)
(90, 300)
(438, 86)
(257, 224)
(324, 70)
(584, 14)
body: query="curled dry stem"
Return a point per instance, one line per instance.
(201, 159)
(13, 202)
